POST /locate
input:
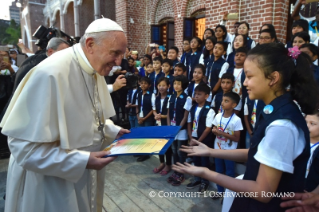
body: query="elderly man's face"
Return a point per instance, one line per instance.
(108, 53)
(60, 47)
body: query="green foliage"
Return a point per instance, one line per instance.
(10, 34)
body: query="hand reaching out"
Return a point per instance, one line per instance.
(200, 150)
(187, 168)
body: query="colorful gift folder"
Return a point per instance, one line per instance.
(144, 141)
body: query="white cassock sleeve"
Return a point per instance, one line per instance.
(110, 88)
(49, 159)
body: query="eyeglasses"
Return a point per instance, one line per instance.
(264, 38)
(13, 52)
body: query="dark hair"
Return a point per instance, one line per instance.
(245, 38)
(304, 35)
(206, 52)
(151, 63)
(223, 44)
(170, 62)
(186, 39)
(174, 48)
(130, 58)
(313, 48)
(199, 42)
(202, 67)
(224, 30)
(181, 65)
(302, 23)
(158, 59)
(148, 57)
(228, 76)
(183, 80)
(203, 87)
(242, 49)
(165, 79)
(272, 29)
(211, 30)
(273, 57)
(247, 25)
(271, 33)
(233, 96)
(145, 79)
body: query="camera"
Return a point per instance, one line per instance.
(44, 35)
(131, 81)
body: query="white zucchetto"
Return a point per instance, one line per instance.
(103, 25)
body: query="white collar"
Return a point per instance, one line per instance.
(315, 62)
(80, 50)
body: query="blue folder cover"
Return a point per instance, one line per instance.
(164, 132)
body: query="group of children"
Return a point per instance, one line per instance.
(167, 97)
(219, 103)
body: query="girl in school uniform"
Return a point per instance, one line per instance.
(160, 115)
(192, 58)
(186, 49)
(239, 41)
(207, 33)
(243, 29)
(207, 57)
(280, 148)
(300, 38)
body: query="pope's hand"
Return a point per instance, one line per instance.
(96, 160)
(122, 132)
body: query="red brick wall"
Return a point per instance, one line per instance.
(256, 13)
(121, 16)
(193, 6)
(164, 9)
(69, 20)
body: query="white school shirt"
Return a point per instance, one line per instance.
(233, 125)
(141, 115)
(193, 92)
(133, 92)
(209, 120)
(314, 147)
(182, 134)
(222, 71)
(282, 144)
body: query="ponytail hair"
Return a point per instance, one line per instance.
(294, 72)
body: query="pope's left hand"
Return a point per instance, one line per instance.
(122, 132)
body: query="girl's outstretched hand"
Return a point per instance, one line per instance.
(187, 168)
(199, 150)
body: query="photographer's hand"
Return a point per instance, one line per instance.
(119, 83)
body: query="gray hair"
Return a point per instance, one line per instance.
(97, 36)
(54, 43)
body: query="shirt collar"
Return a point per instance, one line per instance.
(84, 62)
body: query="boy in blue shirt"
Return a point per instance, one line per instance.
(218, 68)
(200, 120)
(167, 65)
(156, 74)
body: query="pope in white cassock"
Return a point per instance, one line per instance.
(57, 126)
